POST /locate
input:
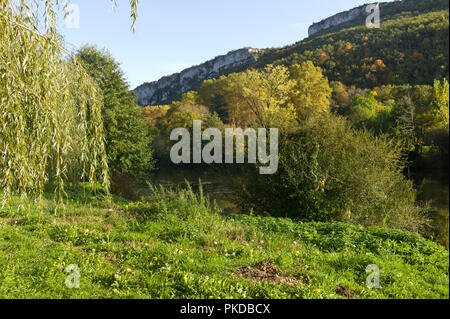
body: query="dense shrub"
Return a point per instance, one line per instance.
(367, 112)
(330, 171)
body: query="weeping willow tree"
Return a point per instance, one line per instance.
(51, 129)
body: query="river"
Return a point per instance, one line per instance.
(433, 186)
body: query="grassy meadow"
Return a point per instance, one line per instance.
(177, 244)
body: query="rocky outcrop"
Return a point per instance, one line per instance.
(338, 19)
(171, 87)
(359, 14)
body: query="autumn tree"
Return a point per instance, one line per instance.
(441, 101)
(223, 96)
(311, 91)
(188, 98)
(181, 116)
(406, 123)
(152, 113)
(266, 94)
(340, 95)
(212, 94)
(365, 111)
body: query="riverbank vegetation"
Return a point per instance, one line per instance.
(337, 162)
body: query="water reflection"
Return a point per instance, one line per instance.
(433, 186)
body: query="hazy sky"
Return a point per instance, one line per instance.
(175, 34)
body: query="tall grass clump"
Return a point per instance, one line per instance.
(182, 203)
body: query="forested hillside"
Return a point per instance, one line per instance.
(411, 46)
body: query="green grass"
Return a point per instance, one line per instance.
(177, 245)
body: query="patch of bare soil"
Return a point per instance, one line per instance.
(345, 291)
(267, 272)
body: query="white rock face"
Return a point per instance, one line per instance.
(168, 87)
(338, 19)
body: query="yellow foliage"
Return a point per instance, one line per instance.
(152, 113)
(312, 90)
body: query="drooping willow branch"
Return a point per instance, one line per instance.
(51, 129)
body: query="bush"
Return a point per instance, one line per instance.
(329, 171)
(367, 112)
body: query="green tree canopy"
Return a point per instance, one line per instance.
(441, 101)
(127, 137)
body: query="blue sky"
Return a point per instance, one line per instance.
(172, 35)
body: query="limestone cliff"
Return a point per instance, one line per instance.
(335, 20)
(338, 19)
(171, 87)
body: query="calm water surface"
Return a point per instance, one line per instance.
(432, 186)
